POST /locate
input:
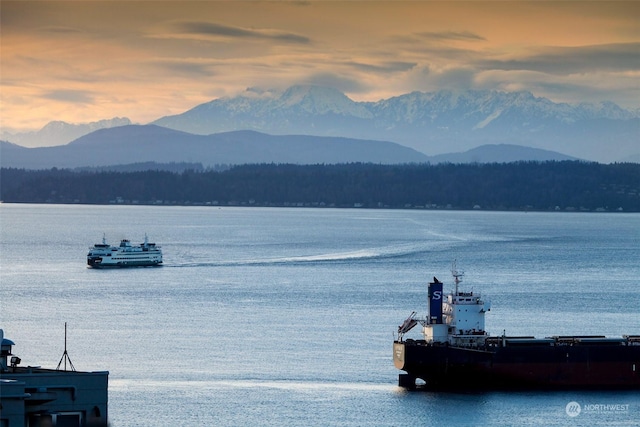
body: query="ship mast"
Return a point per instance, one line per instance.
(65, 356)
(457, 275)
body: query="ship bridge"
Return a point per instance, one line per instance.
(457, 318)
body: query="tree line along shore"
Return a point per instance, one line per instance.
(536, 186)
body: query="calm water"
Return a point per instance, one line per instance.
(285, 317)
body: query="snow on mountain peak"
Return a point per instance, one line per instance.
(321, 100)
(489, 119)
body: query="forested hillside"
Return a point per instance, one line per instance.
(543, 186)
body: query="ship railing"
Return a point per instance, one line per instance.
(589, 340)
(411, 341)
(504, 340)
(471, 339)
(465, 294)
(632, 339)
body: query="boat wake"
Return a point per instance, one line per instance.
(387, 252)
(434, 242)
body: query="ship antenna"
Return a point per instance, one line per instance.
(65, 355)
(457, 275)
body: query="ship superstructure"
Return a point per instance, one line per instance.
(456, 318)
(456, 352)
(35, 396)
(126, 255)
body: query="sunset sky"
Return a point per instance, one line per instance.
(83, 61)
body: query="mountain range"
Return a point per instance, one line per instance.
(141, 144)
(477, 125)
(151, 143)
(60, 133)
(432, 123)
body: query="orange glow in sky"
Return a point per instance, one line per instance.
(83, 61)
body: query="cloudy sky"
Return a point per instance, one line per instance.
(82, 61)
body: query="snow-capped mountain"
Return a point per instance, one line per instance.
(59, 133)
(433, 123)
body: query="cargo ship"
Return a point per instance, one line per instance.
(456, 353)
(145, 254)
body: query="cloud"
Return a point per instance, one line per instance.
(69, 95)
(340, 82)
(575, 88)
(431, 78)
(61, 30)
(203, 28)
(384, 67)
(565, 60)
(450, 35)
(148, 59)
(186, 67)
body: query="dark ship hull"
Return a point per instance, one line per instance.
(522, 363)
(97, 262)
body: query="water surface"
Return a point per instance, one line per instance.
(285, 317)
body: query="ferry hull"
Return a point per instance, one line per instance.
(98, 263)
(518, 367)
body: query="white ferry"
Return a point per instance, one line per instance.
(145, 254)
